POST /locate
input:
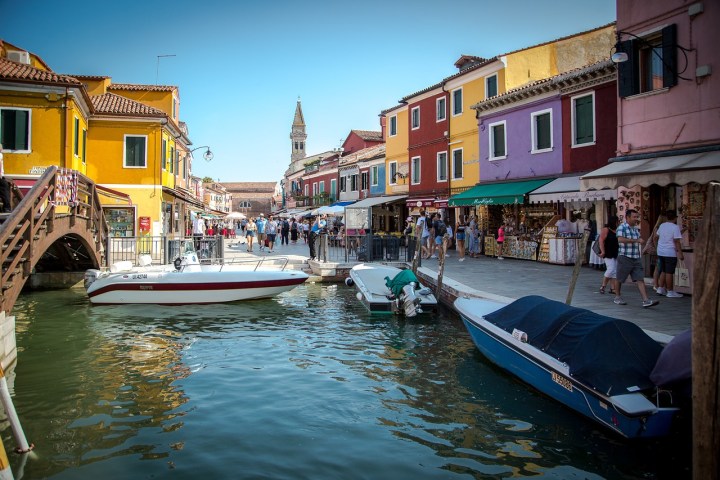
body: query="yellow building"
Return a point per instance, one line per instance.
(43, 116)
(396, 150)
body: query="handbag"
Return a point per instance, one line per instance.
(596, 247)
(650, 247)
(682, 275)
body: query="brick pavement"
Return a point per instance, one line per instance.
(516, 278)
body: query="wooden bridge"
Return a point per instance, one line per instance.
(58, 226)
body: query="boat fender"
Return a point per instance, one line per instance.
(349, 282)
(358, 295)
(178, 263)
(520, 335)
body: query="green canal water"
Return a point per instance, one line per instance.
(307, 385)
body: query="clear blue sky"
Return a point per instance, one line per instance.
(241, 65)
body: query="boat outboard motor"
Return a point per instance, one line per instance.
(410, 300)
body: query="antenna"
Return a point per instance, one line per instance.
(157, 68)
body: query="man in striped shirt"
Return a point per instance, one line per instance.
(629, 258)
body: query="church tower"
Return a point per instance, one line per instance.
(298, 135)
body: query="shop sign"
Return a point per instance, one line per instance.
(441, 203)
(423, 202)
(37, 170)
(587, 196)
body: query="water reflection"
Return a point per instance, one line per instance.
(306, 385)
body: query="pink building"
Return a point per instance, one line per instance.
(668, 132)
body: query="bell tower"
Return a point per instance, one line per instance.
(298, 135)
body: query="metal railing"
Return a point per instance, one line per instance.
(364, 248)
(163, 250)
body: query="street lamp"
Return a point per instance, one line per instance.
(208, 155)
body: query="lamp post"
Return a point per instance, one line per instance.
(208, 155)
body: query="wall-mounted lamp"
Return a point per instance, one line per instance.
(208, 155)
(663, 48)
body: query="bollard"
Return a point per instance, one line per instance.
(20, 440)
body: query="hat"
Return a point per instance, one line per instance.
(262, 214)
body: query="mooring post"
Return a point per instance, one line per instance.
(20, 440)
(706, 341)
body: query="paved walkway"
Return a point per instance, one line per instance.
(516, 278)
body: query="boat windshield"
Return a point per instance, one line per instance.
(187, 247)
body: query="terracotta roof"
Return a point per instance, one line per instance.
(369, 135)
(111, 104)
(90, 77)
(20, 72)
(249, 187)
(365, 154)
(603, 70)
(420, 92)
(138, 87)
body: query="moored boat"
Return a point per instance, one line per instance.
(387, 289)
(187, 281)
(596, 365)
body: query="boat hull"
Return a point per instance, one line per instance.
(180, 288)
(551, 378)
(369, 279)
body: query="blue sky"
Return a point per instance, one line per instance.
(241, 65)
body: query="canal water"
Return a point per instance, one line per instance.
(307, 385)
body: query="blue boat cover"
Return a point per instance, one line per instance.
(605, 353)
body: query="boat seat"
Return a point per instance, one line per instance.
(122, 266)
(633, 403)
(144, 260)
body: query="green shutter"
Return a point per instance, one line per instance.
(498, 141)
(542, 131)
(584, 121)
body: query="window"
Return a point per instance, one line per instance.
(393, 125)
(393, 173)
(583, 119)
(322, 186)
(415, 120)
(457, 97)
(315, 188)
(301, 145)
(498, 145)
(15, 129)
(491, 86)
(457, 165)
(163, 154)
(541, 131)
(354, 183)
(415, 162)
(651, 63)
(374, 175)
(442, 167)
(441, 109)
(333, 188)
(135, 151)
(76, 136)
(305, 190)
(343, 184)
(84, 145)
(364, 181)
(174, 107)
(172, 159)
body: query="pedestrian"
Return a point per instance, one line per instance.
(260, 223)
(285, 232)
(439, 230)
(293, 231)
(629, 255)
(650, 248)
(431, 237)
(471, 236)
(306, 230)
(669, 249)
(250, 232)
(608, 252)
(460, 234)
(500, 241)
(312, 236)
(4, 186)
(198, 231)
(422, 234)
(271, 228)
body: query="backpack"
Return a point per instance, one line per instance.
(440, 228)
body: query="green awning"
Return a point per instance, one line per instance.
(501, 193)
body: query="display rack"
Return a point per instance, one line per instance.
(121, 221)
(548, 233)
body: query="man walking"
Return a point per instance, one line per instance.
(271, 228)
(629, 254)
(260, 224)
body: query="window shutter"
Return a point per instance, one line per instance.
(628, 81)
(669, 54)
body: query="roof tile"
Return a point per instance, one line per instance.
(15, 71)
(111, 104)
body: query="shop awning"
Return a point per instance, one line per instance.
(187, 198)
(344, 203)
(501, 193)
(700, 168)
(567, 189)
(372, 201)
(114, 194)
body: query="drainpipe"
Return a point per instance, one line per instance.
(448, 156)
(66, 130)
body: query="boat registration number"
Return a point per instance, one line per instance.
(139, 276)
(562, 381)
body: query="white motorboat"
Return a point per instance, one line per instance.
(386, 289)
(187, 281)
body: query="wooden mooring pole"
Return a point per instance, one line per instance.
(579, 257)
(706, 342)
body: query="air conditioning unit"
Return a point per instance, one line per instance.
(19, 56)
